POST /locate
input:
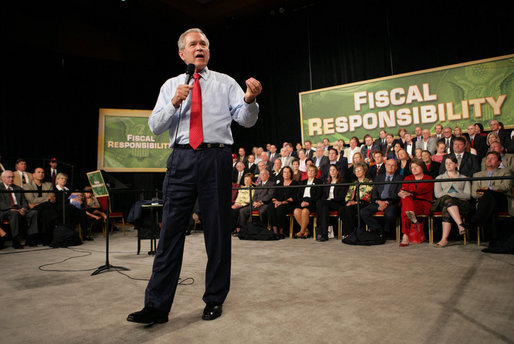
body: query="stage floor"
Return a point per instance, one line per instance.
(287, 291)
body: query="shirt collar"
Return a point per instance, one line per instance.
(205, 73)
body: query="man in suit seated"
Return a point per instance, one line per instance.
(503, 134)
(266, 161)
(260, 199)
(427, 142)
(285, 158)
(320, 159)
(251, 166)
(367, 148)
(43, 203)
(448, 139)
(384, 198)
(277, 169)
(273, 153)
(492, 196)
(238, 173)
(14, 207)
(467, 162)
(242, 155)
(507, 160)
(21, 176)
(341, 163)
(379, 167)
(309, 151)
(477, 141)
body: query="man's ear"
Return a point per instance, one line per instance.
(181, 54)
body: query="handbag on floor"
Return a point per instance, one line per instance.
(416, 233)
(254, 231)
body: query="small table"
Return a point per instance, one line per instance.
(155, 229)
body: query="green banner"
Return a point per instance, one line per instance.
(456, 95)
(126, 144)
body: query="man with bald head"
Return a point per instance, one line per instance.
(15, 209)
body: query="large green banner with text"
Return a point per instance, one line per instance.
(126, 144)
(454, 95)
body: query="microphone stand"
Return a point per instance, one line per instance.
(107, 266)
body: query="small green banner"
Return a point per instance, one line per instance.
(126, 144)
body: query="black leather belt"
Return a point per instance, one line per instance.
(203, 146)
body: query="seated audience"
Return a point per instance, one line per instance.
(15, 209)
(285, 158)
(297, 174)
(432, 166)
(309, 162)
(492, 137)
(479, 129)
(52, 170)
(384, 197)
(403, 163)
(492, 196)
(401, 137)
(427, 142)
(319, 158)
(440, 152)
(389, 150)
(266, 161)
(477, 141)
(68, 213)
(416, 199)
(238, 173)
(357, 159)
(301, 158)
(282, 202)
(331, 199)
(93, 212)
(44, 204)
(260, 200)
(306, 201)
(417, 153)
(507, 160)
(342, 163)
(21, 176)
(350, 208)
(276, 172)
(350, 151)
(379, 167)
(467, 162)
(409, 146)
(242, 200)
(367, 148)
(452, 199)
(251, 165)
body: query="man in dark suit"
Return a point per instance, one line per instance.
(238, 173)
(342, 164)
(467, 162)
(261, 198)
(503, 134)
(273, 153)
(448, 139)
(309, 152)
(367, 148)
(384, 198)
(320, 159)
(418, 131)
(378, 168)
(251, 166)
(381, 142)
(476, 141)
(14, 207)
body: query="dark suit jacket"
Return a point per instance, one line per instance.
(479, 144)
(263, 195)
(468, 166)
(252, 169)
(342, 165)
(309, 153)
(324, 161)
(339, 193)
(376, 194)
(234, 176)
(5, 200)
(315, 192)
(433, 170)
(379, 145)
(372, 171)
(451, 144)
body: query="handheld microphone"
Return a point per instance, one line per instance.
(190, 70)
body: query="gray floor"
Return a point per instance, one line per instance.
(290, 291)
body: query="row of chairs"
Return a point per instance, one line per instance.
(429, 218)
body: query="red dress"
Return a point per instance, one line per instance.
(420, 203)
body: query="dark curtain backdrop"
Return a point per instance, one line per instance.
(56, 74)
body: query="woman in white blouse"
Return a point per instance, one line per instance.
(350, 151)
(452, 199)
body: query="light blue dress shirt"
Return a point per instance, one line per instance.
(222, 102)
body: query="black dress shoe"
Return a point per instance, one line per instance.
(148, 315)
(323, 238)
(212, 311)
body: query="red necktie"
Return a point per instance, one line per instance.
(195, 125)
(12, 203)
(472, 141)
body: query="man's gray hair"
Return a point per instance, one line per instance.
(182, 38)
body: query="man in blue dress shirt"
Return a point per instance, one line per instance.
(200, 168)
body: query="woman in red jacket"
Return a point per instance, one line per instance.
(416, 199)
